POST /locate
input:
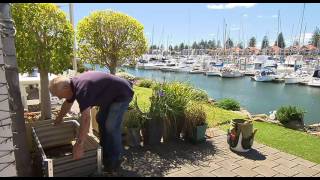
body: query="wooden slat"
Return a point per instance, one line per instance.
(86, 170)
(68, 159)
(74, 164)
(66, 136)
(56, 143)
(55, 132)
(41, 129)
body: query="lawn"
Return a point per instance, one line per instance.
(293, 142)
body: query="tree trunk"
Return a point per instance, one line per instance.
(45, 103)
(112, 70)
(113, 66)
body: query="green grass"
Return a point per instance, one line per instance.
(143, 97)
(290, 141)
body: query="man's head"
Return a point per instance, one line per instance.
(60, 87)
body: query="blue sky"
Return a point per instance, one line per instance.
(187, 22)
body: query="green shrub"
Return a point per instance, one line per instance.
(229, 104)
(147, 83)
(134, 118)
(126, 76)
(285, 114)
(168, 103)
(199, 95)
(195, 115)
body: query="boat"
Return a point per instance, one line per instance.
(265, 75)
(230, 72)
(297, 77)
(213, 73)
(315, 79)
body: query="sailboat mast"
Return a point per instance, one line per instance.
(304, 5)
(152, 37)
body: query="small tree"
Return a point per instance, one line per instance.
(181, 46)
(252, 42)
(44, 39)
(240, 45)
(315, 37)
(265, 42)
(219, 44)
(109, 38)
(280, 41)
(176, 48)
(195, 45)
(229, 43)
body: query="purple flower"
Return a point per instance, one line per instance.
(160, 93)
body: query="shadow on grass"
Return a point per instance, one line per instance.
(158, 160)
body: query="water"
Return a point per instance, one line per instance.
(256, 97)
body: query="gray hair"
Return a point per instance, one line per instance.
(58, 83)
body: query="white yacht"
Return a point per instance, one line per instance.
(265, 75)
(315, 79)
(213, 72)
(297, 77)
(230, 71)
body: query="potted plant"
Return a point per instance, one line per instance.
(132, 124)
(195, 123)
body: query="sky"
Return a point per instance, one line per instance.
(174, 23)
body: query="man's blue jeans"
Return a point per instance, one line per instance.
(110, 120)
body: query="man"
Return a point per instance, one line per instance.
(112, 94)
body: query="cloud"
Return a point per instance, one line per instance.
(230, 5)
(274, 16)
(212, 34)
(245, 15)
(259, 16)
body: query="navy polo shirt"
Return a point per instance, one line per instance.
(99, 89)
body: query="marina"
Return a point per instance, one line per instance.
(256, 97)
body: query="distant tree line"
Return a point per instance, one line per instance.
(213, 44)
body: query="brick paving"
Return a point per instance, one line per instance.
(213, 159)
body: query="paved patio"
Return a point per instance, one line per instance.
(214, 159)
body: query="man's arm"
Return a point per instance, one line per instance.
(65, 108)
(78, 148)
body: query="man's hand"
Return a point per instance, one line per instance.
(78, 150)
(65, 108)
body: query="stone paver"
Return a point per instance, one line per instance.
(305, 170)
(317, 167)
(214, 159)
(201, 173)
(228, 165)
(265, 171)
(285, 162)
(245, 172)
(222, 172)
(304, 162)
(249, 164)
(301, 175)
(285, 170)
(268, 163)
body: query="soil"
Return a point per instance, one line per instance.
(58, 151)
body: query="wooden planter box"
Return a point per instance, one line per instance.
(53, 151)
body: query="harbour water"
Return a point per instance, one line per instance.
(256, 97)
